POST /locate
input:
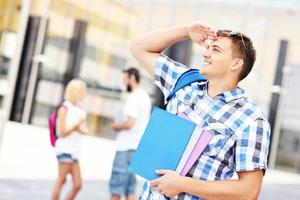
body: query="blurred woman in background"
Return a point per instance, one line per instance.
(71, 124)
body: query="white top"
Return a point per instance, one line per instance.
(138, 106)
(71, 143)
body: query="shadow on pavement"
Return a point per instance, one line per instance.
(41, 190)
(98, 190)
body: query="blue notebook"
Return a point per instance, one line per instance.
(162, 145)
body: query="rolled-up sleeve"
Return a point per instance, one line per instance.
(167, 71)
(252, 147)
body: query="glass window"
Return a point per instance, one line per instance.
(9, 24)
(95, 53)
(289, 143)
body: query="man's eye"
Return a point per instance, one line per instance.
(215, 50)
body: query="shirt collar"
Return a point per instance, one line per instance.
(228, 96)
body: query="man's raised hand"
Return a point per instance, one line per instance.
(199, 33)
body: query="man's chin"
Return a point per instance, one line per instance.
(203, 71)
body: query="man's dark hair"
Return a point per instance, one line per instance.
(243, 47)
(133, 72)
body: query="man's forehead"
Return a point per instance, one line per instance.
(222, 42)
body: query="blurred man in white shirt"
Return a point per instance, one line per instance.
(130, 126)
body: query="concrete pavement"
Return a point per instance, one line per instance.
(41, 190)
(28, 168)
(98, 190)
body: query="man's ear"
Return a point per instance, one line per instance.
(237, 64)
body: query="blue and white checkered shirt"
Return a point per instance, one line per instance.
(241, 132)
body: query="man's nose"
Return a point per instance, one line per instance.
(207, 53)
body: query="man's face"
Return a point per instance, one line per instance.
(127, 82)
(218, 58)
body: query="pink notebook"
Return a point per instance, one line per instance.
(203, 140)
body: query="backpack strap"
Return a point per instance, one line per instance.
(62, 104)
(185, 79)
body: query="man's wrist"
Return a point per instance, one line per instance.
(186, 30)
(181, 30)
(121, 126)
(188, 184)
(185, 33)
(184, 184)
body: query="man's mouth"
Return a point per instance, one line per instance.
(206, 63)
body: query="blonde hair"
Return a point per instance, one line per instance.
(73, 90)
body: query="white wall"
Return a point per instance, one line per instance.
(26, 153)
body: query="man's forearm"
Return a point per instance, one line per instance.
(229, 189)
(146, 48)
(157, 41)
(121, 126)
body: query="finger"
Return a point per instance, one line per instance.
(154, 183)
(160, 190)
(208, 30)
(204, 44)
(204, 26)
(161, 171)
(204, 30)
(211, 37)
(199, 25)
(211, 33)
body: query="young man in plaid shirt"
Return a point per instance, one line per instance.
(241, 132)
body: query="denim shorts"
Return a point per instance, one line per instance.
(66, 158)
(122, 182)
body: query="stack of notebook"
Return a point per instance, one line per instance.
(169, 142)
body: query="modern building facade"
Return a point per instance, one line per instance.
(73, 39)
(44, 44)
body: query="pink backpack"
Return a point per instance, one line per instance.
(52, 125)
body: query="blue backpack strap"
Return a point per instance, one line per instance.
(185, 79)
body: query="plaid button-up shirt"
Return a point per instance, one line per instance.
(241, 132)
